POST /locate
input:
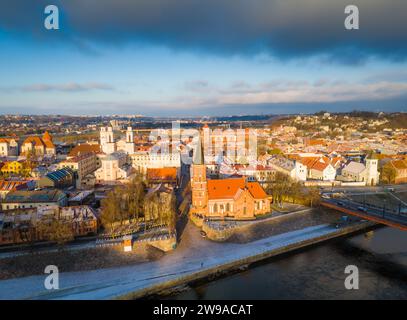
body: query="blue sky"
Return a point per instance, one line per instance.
(201, 59)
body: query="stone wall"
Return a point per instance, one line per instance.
(167, 244)
(225, 233)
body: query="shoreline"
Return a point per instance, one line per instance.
(195, 260)
(167, 288)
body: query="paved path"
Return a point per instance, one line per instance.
(186, 259)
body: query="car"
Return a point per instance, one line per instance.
(362, 209)
(203, 234)
(340, 203)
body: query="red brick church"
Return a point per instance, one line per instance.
(218, 198)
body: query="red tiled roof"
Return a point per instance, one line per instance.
(227, 188)
(13, 185)
(46, 136)
(85, 148)
(34, 140)
(162, 173)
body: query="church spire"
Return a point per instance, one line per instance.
(198, 156)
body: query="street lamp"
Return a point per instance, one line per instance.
(384, 207)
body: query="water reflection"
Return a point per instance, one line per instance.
(318, 272)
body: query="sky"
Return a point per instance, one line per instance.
(194, 57)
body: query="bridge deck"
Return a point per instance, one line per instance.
(367, 216)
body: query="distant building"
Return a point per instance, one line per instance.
(8, 147)
(34, 199)
(39, 145)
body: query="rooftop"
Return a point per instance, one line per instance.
(51, 195)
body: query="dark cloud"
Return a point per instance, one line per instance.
(283, 28)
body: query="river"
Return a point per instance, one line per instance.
(318, 272)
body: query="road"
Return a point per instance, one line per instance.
(373, 189)
(368, 210)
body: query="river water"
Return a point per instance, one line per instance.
(318, 272)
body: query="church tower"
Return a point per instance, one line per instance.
(107, 140)
(199, 183)
(372, 174)
(129, 141)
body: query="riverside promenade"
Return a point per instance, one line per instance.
(195, 258)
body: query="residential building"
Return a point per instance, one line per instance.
(86, 148)
(23, 225)
(83, 164)
(319, 168)
(18, 168)
(295, 169)
(34, 199)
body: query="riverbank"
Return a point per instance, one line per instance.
(195, 258)
(176, 285)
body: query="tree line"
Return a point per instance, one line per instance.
(284, 188)
(130, 203)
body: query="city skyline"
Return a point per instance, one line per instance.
(190, 59)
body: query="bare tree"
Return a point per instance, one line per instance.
(56, 230)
